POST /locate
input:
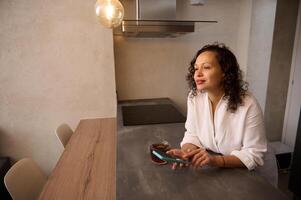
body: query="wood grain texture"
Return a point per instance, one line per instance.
(87, 167)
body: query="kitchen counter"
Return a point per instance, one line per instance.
(139, 178)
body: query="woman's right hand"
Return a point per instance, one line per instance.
(182, 154)
(179, 153)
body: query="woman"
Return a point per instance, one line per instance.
(222, 117)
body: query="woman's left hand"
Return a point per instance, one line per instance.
(200, 157)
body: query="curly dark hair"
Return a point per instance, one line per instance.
(234, 86)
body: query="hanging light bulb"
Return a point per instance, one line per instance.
(109, 12)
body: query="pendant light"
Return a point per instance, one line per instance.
(109, 12)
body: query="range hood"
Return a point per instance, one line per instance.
(155, 19)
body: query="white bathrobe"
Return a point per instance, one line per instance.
(241, 133)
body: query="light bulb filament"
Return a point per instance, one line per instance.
(109, 12)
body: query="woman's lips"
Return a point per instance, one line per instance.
(200, 82)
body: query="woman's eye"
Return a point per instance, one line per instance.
(206, 67)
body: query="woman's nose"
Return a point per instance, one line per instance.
(199, 72)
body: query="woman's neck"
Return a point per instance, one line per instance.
(215, 96)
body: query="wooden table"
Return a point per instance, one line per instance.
(87, 167)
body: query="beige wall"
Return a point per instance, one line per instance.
(293, 103)
(279, 74)
(260, 47)
(56, 66)
(154, 68)
(243, 35)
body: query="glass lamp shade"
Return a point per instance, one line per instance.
(109, 12)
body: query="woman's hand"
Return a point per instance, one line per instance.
(200, 157)
(179, 153)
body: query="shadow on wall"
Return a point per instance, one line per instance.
(5, 137)
(20, 146)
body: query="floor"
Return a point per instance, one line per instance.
(283, 174)
(283, 178)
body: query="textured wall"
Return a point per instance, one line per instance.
(57, 65)
(243, 35)
(260, 47)
(282, 50)
(154, 68)
(293, 102)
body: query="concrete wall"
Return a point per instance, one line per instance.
(154, 68)
(293, 104)
(282, 50)
(260, 47)
(57, 65)
(243, 35)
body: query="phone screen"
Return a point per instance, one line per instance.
(168, 158)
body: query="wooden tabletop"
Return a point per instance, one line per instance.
(87, 167)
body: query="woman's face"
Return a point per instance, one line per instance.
(208, 74)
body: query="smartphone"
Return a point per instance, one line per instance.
(163, 156)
